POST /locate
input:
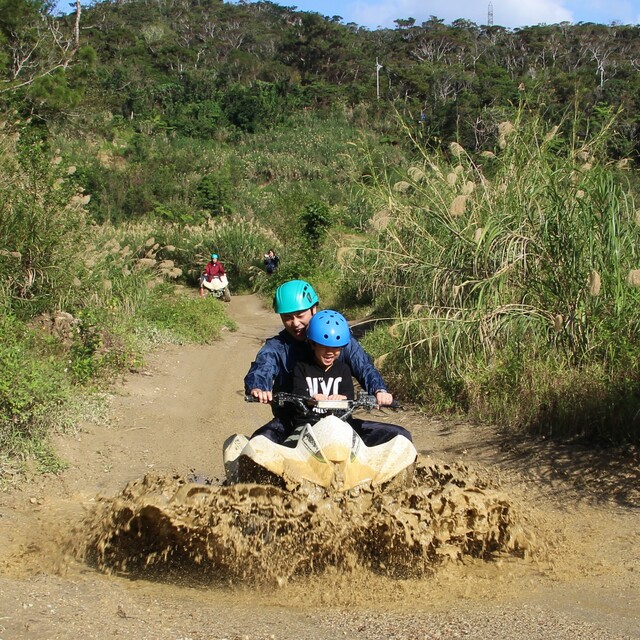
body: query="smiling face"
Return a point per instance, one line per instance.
(296, 323)
(325, 356)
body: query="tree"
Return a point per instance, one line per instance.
(36, 49)
(404, 23)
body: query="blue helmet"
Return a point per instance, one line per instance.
(293, 296)
(329, 328)
(214, 256)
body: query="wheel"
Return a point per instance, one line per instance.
(226, 294)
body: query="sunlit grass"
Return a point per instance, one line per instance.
(507, 272)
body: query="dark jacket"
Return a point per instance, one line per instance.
(271, 263)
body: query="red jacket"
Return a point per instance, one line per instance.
(213, 270)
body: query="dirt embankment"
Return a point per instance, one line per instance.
(582, 517)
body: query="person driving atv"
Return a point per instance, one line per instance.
(323, 376)
(214, 269)
(297, 302)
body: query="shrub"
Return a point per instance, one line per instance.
(33, 389)
(41, 226)
(213, 195)
(316, 219)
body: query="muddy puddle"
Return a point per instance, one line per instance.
(254, 534)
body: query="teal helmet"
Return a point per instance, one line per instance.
(214, 256)
(293, 296)
(329, 328)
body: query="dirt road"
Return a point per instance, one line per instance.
(173, 419)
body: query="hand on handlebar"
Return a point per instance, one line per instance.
(322, 396)
(262, 396)
(384, 399)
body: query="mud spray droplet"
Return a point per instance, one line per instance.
(264, 534)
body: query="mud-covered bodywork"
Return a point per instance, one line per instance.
(326, 452)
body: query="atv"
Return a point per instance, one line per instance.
(328, 453)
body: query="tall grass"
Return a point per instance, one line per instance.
(41, 224)
(508, 277)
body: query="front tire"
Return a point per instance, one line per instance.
(226, 295)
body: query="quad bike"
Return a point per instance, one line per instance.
(327, 454)
(218, 287)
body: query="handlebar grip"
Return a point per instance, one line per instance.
(393, 405)
(250, 399)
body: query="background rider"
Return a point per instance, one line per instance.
(214, 269)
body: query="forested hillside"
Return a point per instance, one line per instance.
(473, 184)
(197, 66)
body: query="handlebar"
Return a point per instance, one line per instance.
(344, 407)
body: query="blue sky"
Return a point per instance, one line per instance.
(507, 13)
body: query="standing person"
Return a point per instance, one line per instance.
(214, 269)
(323, 376)
(272, 370)
(271, 261)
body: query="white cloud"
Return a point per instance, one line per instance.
(531, 12)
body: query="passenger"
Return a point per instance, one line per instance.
(324, 377)
(297, 302)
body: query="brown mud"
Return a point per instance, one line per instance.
(260, 534)
(495, 538)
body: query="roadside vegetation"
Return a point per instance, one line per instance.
(81, 302)
(484, 218)
(510, 281)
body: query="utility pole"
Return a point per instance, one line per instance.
(378, 67)
(490, 15)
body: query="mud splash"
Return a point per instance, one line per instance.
(263, 534)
